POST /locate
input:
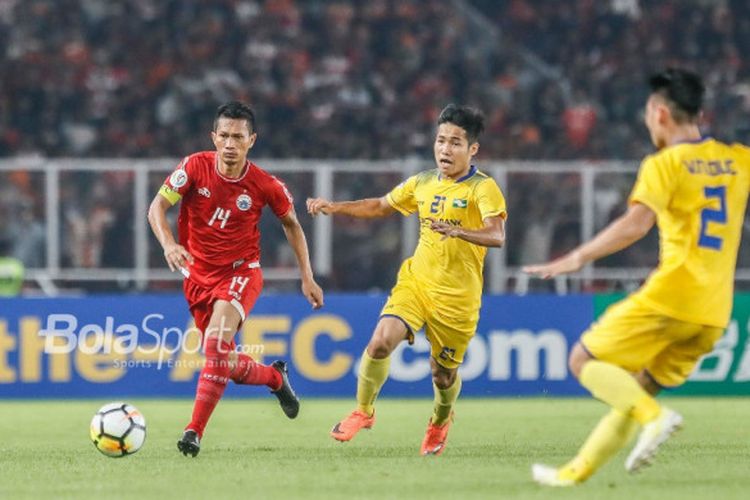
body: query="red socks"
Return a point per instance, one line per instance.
(216, 374)
(249, 372)
(211, 384)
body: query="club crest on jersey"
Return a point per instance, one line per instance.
(244, 202)
(204, 192)
(178, 178)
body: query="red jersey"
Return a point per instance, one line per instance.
(219, 216)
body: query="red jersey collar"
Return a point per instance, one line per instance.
(229, 179)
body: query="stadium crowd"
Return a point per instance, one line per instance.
(354, 79)
(346, 79)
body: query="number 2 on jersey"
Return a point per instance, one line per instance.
(713, 215)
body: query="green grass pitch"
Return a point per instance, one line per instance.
(251, 450)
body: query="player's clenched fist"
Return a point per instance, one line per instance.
(317, 206)
(177, 256)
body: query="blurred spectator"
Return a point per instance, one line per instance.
(97, 219)
(21, 217)
(30, 237)
(11, 272)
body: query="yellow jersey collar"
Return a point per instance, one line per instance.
(472, 171)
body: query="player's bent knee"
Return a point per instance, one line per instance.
(378, 348)
(575, 367)
(443, 379)
(578, 357)
(225, 320)
(388, 334)
(648, 383)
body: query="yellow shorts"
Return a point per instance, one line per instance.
(636, 337)
(448, 336)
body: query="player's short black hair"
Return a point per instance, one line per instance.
(683, 91)
(238, 111)
(468, 118)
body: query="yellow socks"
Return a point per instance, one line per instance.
(372, 375)
(444, 401)
(612, 433)
(616, 387)
(631, 405)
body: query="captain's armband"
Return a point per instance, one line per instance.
(170, 194)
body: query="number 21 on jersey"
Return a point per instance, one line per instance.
(220, 215)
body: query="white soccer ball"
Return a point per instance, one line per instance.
(118, 429)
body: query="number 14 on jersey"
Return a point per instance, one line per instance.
(220, 215)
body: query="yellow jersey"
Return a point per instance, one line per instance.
(698, 191)
(449, 270)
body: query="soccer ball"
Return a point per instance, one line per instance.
(118, 429)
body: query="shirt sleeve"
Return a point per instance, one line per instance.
(178, 183)
(278, 197)
(654, 185)
(490, 200)
(402, 196)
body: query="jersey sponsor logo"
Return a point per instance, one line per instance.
(204, 192)
(458, 203)
(244, 202)
(178, 178)
(426, 221)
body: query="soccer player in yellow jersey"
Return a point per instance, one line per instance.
(695, 189)
(461, 213)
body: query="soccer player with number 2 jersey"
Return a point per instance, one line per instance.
(222, 196)
(695, 189)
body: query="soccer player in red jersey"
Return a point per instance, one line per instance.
(218, 252)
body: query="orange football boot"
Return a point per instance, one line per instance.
(351, 425)
(435, 437)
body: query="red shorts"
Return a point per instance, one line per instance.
(240, 287)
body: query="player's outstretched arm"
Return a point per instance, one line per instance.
(492, 234)
(621, 233)
(368, 208)
(296, 237)
(175, 254)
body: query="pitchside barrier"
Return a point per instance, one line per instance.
(117, 346)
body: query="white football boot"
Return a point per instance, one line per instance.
(652, 436)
